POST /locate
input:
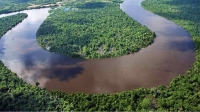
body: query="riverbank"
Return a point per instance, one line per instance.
(162, 57)
(172, 97)
(186, 14)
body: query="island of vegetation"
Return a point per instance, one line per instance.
(8, 6)
(7, 23)
(92, 29)
(183, 93)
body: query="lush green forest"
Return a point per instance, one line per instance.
(183, 93)
(7, 23)
(92, 30)
(8, 6)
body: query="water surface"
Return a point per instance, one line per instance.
(171, 54)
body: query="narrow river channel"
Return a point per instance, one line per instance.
(171, 54)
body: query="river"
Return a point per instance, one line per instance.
(171, 54)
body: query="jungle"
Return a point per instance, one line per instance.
(183, 93)
(92, 30)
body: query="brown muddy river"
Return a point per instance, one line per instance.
(171, 54)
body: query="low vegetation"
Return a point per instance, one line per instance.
(92, 30)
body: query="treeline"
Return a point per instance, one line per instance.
(182, 95)
(8, 6)
(7, 23)
(92, 30)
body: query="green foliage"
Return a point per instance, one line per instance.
(92, 30)
(124, 101)
(7, 23)
(8, 6)
(145, 103)
(183, 93)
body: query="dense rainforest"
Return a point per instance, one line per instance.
(7, 23)
(183, 93)
(92, 30)
(8, 6)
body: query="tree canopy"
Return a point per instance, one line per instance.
(92, 30)
(183, 93)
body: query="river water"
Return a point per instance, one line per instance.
(171, 54)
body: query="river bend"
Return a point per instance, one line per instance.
(171, 54)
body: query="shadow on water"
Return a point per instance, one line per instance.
(19, 51)
(64, 74)
(171, 54)
(182, 45)
(54, 66)
(1, 47)
(1, 50)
